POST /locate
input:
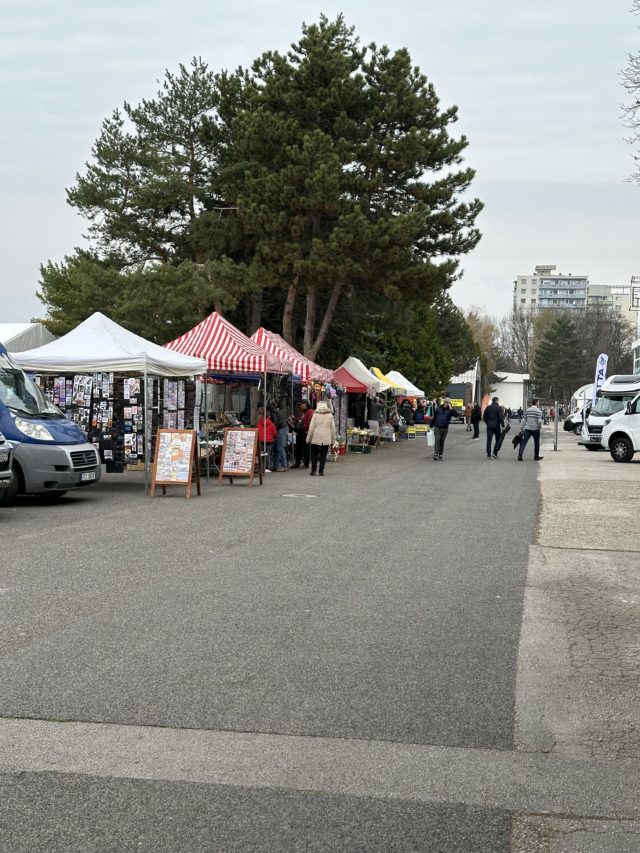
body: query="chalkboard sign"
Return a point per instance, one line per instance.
(240, 454)
(175, 462)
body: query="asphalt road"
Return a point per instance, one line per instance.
(379, 603)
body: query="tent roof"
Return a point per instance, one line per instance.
(389, 383)
(226, 349)
(343, 377)
(99, 344)
(409, 388)
(264, 339)
(322, 374)
(24, 336)
(357, 369)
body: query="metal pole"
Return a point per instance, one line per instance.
(206, 420)
(146, 432)
(555, 427)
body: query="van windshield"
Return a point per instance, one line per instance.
(609, 405)
(21, 394)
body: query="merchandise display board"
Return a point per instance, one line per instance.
(240, 454)
(175, 462)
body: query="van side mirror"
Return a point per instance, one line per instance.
(629, 408)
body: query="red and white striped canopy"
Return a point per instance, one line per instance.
(226, 349)
(322, 374)
(265, 339)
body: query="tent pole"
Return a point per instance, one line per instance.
(206, 420)
(146, 432)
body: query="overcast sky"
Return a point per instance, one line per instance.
(537, 84)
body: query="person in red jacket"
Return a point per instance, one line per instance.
(267, 434)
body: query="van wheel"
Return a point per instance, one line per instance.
(577, 429)
(621, 449)
(8, 496)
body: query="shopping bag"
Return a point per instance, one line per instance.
(431, 439)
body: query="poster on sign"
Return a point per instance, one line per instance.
(240, 454)
(175, 462)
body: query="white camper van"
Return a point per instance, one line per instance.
(615, 393)
(621, 435)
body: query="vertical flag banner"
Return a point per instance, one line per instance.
(601, 374)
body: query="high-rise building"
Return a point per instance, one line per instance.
(635, 306)
(548, 289)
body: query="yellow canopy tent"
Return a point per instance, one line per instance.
(389, 382)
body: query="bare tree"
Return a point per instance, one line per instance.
(631, 111)
(515, 340)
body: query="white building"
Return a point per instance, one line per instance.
(548, 289)
(635, 306)
(512, 389)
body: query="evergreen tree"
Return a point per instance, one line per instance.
(558, 360)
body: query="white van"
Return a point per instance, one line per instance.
(621, 435)
(615, 393)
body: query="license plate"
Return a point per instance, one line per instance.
(87, 475)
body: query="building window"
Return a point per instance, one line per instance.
(523, 301)
(533, 301)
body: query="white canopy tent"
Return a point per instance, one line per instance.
(357, 369)
(23, 336)
(410, 389)
(98, 345)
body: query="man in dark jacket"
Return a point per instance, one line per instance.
(494, 419)
(476, 415)
(441, 420)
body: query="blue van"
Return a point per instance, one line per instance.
(50, 453)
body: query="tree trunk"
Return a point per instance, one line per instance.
(255, 319)
(287, 314)
(314, 348)
(310, 319)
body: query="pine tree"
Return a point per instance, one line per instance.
(558, 360)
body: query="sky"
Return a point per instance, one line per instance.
(536, 83)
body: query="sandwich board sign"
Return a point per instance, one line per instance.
(175, 461)
(240, 454)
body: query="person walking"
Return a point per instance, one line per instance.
(494, 419)
(476, 416)
(467, 416)
(533, 418)
(441, 420)
(321, 435)
(520, 413)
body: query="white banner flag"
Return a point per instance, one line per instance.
(601, 373)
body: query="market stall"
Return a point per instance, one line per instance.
(410, 390)
(106, 370)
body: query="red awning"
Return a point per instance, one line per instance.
(322, 374)
(342, 377)
(227, 349)
(299, 365)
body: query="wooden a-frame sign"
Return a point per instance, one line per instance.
(176, 461)
(240, 454)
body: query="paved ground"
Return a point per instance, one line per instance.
(332, 671)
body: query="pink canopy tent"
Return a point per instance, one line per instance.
(322, 374)
(226, 349)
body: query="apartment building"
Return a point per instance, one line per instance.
(547, 288)
(635, 306)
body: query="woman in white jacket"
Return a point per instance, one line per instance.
(321, 435)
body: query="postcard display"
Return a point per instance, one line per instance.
(175, 461)
(110, 410)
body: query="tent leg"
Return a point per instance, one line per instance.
(206, 422)
(146, 432)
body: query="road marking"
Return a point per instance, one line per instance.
(516, 781)
(294, 495)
